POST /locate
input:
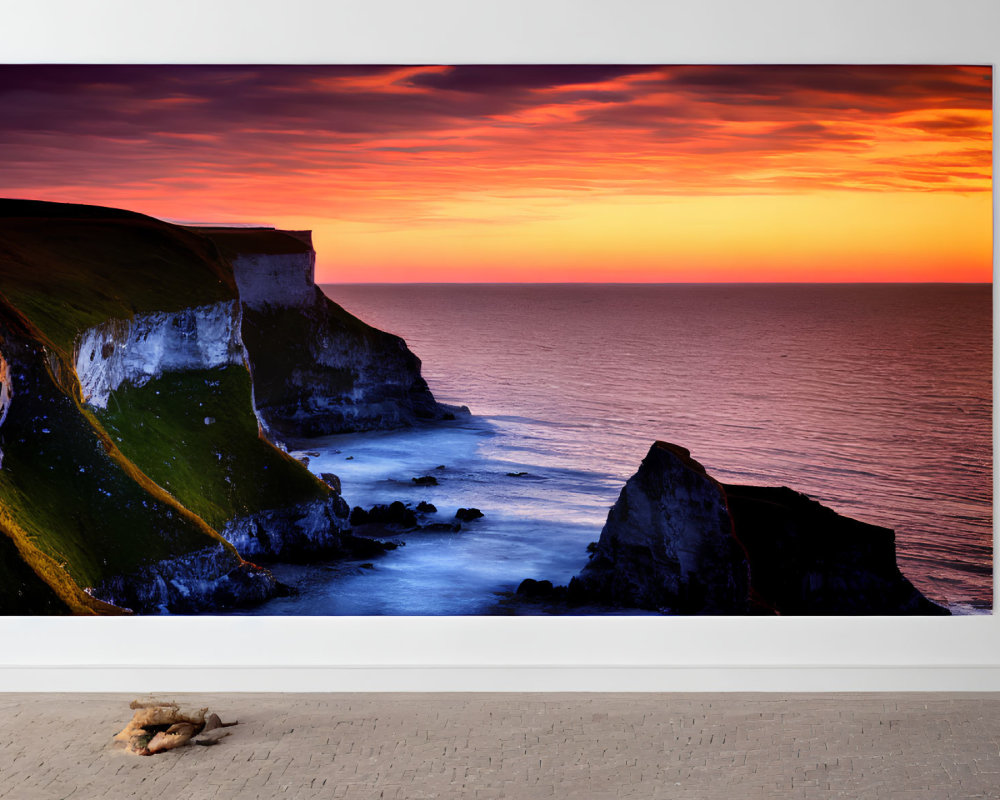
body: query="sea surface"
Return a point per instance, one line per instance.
(874, 399)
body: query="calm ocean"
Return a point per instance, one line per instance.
(873, 399)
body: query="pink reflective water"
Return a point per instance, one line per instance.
(874, 399)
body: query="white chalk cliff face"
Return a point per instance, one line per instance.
(138, 350)
(135, 351)
(40, 426)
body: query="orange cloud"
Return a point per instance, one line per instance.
(583, 173)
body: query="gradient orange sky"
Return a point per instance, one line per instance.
(535, 173)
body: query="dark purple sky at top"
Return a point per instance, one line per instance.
(116, 99)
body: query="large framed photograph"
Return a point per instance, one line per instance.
(651, 345)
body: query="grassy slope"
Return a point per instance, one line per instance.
(219, 470)
(68, 268)
(70, 502)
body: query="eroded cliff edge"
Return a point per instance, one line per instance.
(679, 542)
(134, 473)
(316, 368)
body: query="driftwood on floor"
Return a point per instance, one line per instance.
(158, 726)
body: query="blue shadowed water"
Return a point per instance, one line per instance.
(873, 399)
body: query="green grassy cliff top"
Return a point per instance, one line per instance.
(70, 267)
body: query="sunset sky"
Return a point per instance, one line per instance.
(535, 173)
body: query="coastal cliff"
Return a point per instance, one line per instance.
(134, 470)
(316, 369)
(678, 541)
(83, 527)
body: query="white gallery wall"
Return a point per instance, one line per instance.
(494, 653)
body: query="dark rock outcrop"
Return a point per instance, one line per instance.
(534, 590)
(807, 559)
(679, 541)
(331, 480)
(396, 513)
(468, 514)
(291, 533)
(400, 517)
(668, 542)
(316, 368)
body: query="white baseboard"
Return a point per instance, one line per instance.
(486, 678)
(487, 654)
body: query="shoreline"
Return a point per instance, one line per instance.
(370, 476)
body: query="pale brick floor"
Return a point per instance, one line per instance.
(586, 746)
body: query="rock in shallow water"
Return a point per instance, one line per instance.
(668, 542)
(533, 589)
(303, 530)
(396, 513)
(331, 480)
(677, 540)
(807, 559)
(441, 527)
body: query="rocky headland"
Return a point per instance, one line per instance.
(679, 542)
(316, 369)
(148, 373)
